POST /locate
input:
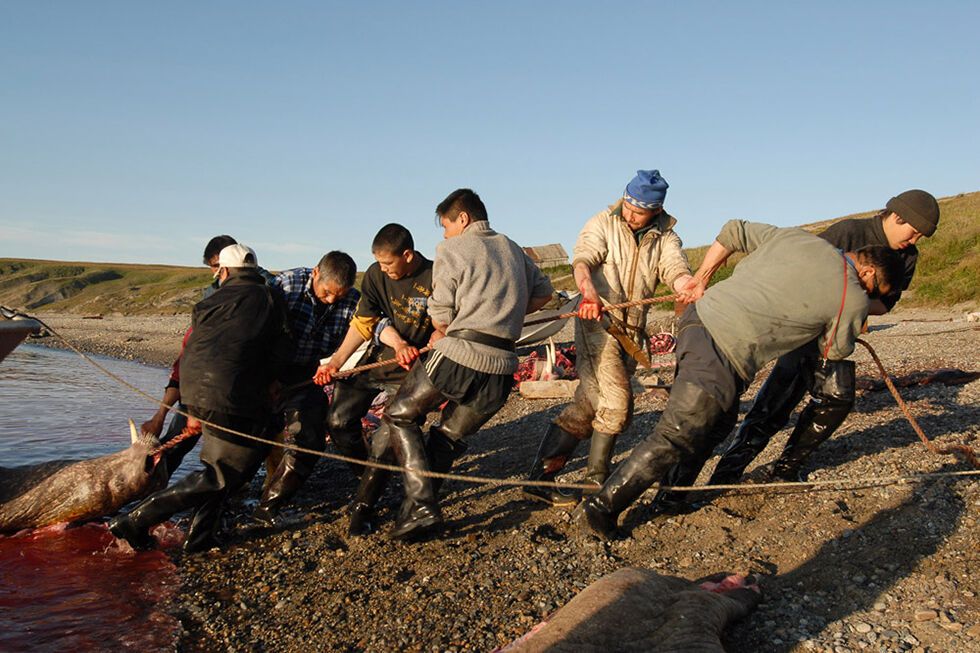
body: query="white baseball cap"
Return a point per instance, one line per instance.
(237, 256)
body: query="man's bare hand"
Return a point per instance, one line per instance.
(436, 337)
(691, 290)
(406, 355)
(193, 425)
(325, 374)
(590, 308)
(153, 426)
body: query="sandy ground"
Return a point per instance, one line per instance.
(876, 568)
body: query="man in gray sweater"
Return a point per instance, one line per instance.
(793, 287)
(483, 286)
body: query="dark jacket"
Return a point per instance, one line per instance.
(238, 339)
(854, 233)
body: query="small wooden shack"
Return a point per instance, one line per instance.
(547, 256)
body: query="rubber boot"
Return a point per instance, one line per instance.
(371, 486)
(686, 473)
(281, 487)
(442, 451)
(817, 422)
(446, 440)
(681, 433)
(350, 403)
(779, 395)
(600, 456)
(420, 511)
(305, 429)
(556, 448)
(135, 526)
(350, 444)
(202, 534)
(369, 490)
(833, 398)
(678, 503)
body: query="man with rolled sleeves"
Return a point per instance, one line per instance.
(320, 302)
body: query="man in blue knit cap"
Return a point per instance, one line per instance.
(621, 255)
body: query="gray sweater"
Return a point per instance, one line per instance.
(482, 280)
(786, 293)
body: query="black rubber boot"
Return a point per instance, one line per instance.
(556, 448)
(371, 486)
(420, 511)
(159, 507)
(446, 440)
(600, 456)
(369, 490)
(681, 433)
(202, 534)
(305, 429)
(283, 486)
(833, 399)
(686, 473)
(776, 400)
(442, 451)
(678, 503)
(350, 444)
(124, 528)
(350, 403)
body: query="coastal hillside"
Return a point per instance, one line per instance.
(100, 288)
(948, 271)
(948, 274)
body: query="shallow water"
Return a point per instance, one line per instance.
(54, 405)
(77, 589)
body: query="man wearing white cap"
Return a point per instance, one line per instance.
(238, 335)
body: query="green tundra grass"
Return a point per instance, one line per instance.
(948, 274)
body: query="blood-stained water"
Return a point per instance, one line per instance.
(78, 589)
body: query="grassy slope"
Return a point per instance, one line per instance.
(89, 288)
(948, 273)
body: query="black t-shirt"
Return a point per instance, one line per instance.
(403, 302)
(855, 233)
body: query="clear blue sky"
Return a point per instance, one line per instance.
(133, 132)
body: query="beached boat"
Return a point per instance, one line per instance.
(13, 329)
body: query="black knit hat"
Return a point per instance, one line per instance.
(918, 208)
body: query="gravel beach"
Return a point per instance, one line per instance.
(871, 568)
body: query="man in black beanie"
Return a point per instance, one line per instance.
(906, 218)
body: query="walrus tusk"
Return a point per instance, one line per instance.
(132, 432)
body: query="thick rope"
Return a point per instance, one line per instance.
(962, 449)
(838, 484)
(605, 309)
(351, 372)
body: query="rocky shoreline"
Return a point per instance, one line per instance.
(872, 568)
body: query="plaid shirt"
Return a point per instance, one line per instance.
(317, 328)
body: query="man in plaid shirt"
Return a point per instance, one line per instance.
(319, 302)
